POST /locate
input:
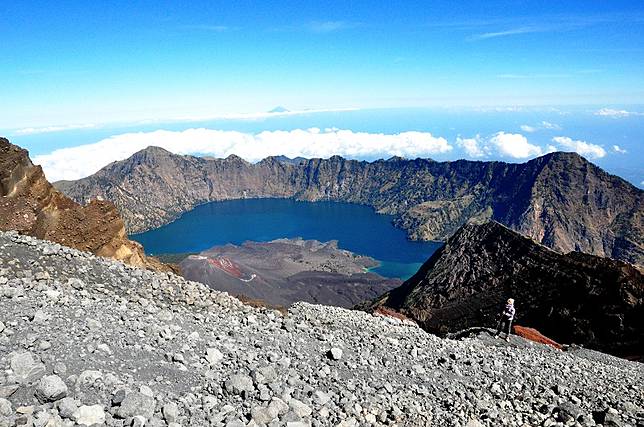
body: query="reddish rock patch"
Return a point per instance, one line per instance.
(536, 336)
(226, 265)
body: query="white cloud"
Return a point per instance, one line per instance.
(618, 149)
(505, 33)
(551, 126)
(81, 161)
(610, 112)
(543, 125)
(473, 147)
(514, 145)
(50, 129)
(583, 148)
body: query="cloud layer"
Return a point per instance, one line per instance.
(616, 114)
(514, 145)
(81, 161)
(517, 146)
(592, 151)
(78, 162)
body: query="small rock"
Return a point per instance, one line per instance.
(60, 368)
(50, 388)
(264, 415)
(279, 405)
(25, 367)
(5, 408)
(214, 356)
(239, 383)
(136, 403)
(104, 348)
(569, 412)
(90, 415)
(264, 375)
(40, 317)
(612, 419)
(335, 353)
(138, 421)
(67, 407)
(170, 412)
(301, 409)
(560, 390)
(144, 389)
(118, 397)
(8, 390)
(321, 398)
(42, 275)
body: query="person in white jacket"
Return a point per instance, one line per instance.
(505, 320)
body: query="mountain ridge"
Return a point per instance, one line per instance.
(428, 199)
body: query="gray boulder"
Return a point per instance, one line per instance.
(90, 415)
(50, 389)
(67, 407)
(5, 407)
(136, 403)
(239, 383)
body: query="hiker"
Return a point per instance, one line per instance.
(505, 321)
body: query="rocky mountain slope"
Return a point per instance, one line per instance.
(560, 199)
(285, 271)
(91, 341)
(572, 298)
(31, 205)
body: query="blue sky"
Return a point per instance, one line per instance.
(85, 83)
(70, 62)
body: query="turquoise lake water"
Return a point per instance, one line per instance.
(356, 228)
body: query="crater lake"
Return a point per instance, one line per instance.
(357, 228)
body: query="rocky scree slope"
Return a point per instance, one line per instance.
(560, 200)
(572, 298)
(31, 205)
(91, 341)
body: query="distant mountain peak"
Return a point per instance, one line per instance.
(279, 109)
(286, 160)
(395, 159)
(234, 158)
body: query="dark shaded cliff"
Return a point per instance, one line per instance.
(560, 199)
(31, 205)
(572, 298)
